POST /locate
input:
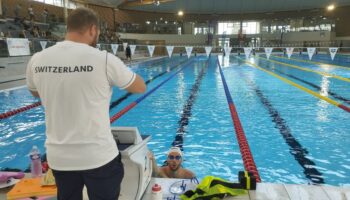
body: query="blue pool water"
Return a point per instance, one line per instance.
(294, 137)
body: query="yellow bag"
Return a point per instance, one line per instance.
(212, 188)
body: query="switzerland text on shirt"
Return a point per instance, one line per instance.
(67, 69)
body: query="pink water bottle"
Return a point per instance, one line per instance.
(35, 166)
(157, 193)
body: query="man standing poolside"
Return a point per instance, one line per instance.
(128, 53)
(74, 82)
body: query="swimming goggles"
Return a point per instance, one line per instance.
(171, 157)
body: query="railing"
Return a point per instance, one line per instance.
(160, 50)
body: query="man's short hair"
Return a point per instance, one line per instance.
(81, 19)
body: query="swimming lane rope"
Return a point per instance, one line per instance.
(19, 110)
(113, 104)
(125, 96)
(133, 104)
(248, 160)
(187, 109)
(299, 152)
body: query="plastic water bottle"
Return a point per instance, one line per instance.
(35, 167)
(157, 193)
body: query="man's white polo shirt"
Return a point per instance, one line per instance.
(74, 81)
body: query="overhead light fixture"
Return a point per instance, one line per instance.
(330, 7)
(180, 13)
(148, 22)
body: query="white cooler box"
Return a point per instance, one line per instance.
(137, 165)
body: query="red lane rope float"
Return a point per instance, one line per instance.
(18, 110)
(133, 104)
(344, 107)
(248, 160)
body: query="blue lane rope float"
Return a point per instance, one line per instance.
(333, 94)
(309, 91)
(130, 106)
(125, 96)
(113, 104)
(133, 104)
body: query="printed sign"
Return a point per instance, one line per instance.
(188, 51)
(208, 50)
(333, 51)
(150, 49)
(18, 46)
(114, 48)
(170, 50)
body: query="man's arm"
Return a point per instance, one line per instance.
(138, 86)
(188, 174)
(29, 78)
(157, 172)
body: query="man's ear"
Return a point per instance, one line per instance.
(91, 30)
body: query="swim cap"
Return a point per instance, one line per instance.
(175, 149)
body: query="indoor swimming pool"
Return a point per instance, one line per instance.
(293, 112)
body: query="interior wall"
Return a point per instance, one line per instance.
(114, 16)
(340, 14)
(169, 39)
(106, 14)
(37, 7)
(201, 40)
(307, 36)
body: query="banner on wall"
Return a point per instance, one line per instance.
(114, 48)
(125, 44)
(150, 49)
(289, 51)
(132, 48)
(18, 46)
(170, 50)
(333, 51)
(188, 51)
(311, 51)
(43, 44)
(208, 50)
(268, 51)
(227, 51)
(247, 51)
